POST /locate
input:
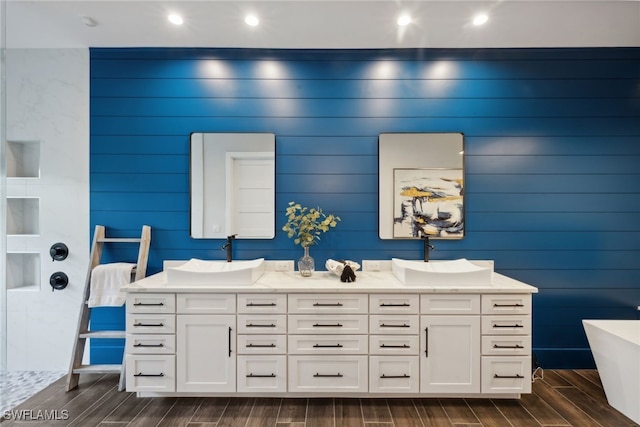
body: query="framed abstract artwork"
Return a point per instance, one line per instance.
(428, 202)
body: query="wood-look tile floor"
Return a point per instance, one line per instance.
(563, 398)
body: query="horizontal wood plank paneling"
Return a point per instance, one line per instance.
(552, 144)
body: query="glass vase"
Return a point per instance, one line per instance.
(306, 264)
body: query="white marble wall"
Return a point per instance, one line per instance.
(48, 102)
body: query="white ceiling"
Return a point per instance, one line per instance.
(324, 24)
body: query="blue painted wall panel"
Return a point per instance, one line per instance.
(552, 143)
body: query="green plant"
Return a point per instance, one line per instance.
(307, 224)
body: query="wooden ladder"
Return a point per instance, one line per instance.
(76, 367)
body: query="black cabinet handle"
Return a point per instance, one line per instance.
(338, 375)
(508, 305)
(140, 374)
(322, 325)
(404, 304)
(250, 345)
(516, 376)
(404, 325)
(426, 342)
(395, 346)
(322, 304)
(229, 341)
(395, 376)
(508, 346)
(261, 376)
(150, 325)
(327, 346)
(150, 304)
(148, 345)
(253, 304)
(508, 326)
(252, 325)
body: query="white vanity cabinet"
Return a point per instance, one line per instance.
(450, 343)
(205, 342)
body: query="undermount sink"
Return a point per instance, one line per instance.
(460, 272)
(216, 273)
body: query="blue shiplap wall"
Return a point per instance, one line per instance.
(552, 160)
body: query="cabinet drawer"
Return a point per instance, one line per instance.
(394, 304)
(328, 344)
(394, 344)
(449, 304)
(262, 323)
(262, 344)
(310, 324)
(328, 374)
(151, 323)
(151, 373)
(151, 303)
(262, 303)
(506, 325)
(388, 324)
(506, 345)
(150, 344)
(506, 304)
(506, 374)
(329, 303)
(262, 374)
(394, 374)
(205, 303)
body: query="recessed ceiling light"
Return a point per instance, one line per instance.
(175, 19)
(480, 19)
(251, 20)
(404, 20)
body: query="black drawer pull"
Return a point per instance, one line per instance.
(140, 374)
(509, 305)
(327, 346)
(395, 346)
(250, 345)
(252, 325)
(323, 325)
(404, 304)
(508, 346)
(338, 375)
(395, 376)
(323, 304)
(150, 325)
(508, 326)
(143, 304)
(261, 376)
(148, 345)
(254, 304)
(516, 376)
(404, 325)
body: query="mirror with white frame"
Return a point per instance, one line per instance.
(233, 185)
(421, 185)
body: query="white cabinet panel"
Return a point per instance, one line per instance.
(205, 303)
(449, 304)
(262, 303)
(151, 373)
(151, 323)
(337, 324)
(262, 374)
(394, 304)
(328, 374)
(262, 344)
(506, 325)
(506, 304)
(151, 303)
(394, 324)
(328, 303)
(394, 344)
(506, 374)
(450, 354)
(328, 344)
(506, 345)
(205, 353)
(150, 344)
(262, 323)
(394, 374)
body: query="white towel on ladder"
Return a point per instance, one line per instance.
(106, 280)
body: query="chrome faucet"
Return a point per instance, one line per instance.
(427, 246)
(229, 246)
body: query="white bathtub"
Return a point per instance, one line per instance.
(615, 345)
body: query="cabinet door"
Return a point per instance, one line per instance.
(205, 353)
(450, 352)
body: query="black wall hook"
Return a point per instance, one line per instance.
(58, 281)
(59, 251)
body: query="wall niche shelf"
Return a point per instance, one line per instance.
(23, 159)
(23, 216)
(23, 271)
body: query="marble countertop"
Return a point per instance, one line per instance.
(327, 282)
